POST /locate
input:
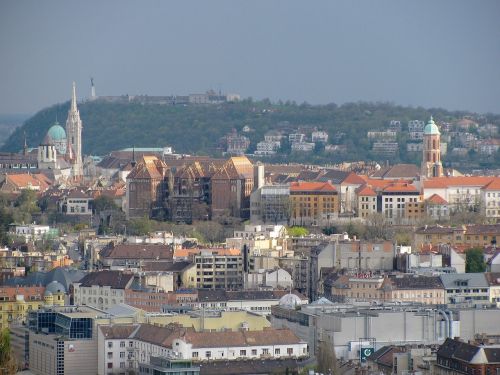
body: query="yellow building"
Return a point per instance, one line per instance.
(214, 320)
(313, 203)
(463, 236)
(15, 301)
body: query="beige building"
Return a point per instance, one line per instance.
(402, 288)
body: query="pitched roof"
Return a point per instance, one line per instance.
(398, 187)
(366, 190)
(9, 293)
(455, 349)
(444, 182)
(493, 185)
(398, 171)
(118, 331)
(114, 279)
(312, 187)
(148, 167)
(137, 251)
(436, 199)
(409, 282)
(270, 336)
(353, 179)
(237, 167)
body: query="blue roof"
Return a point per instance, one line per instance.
(431, 127)
(57, 132)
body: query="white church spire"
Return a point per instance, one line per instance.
(74, 137)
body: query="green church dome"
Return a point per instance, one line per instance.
(57, 132)
(431, 128)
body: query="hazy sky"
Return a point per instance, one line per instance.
(429, 53)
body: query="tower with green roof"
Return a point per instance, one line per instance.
(431, 158)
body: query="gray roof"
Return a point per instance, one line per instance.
(472, 280)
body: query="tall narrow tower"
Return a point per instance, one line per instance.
(431, 158)
(92, 89)
(74, 137)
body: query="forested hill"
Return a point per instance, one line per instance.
(196, 129)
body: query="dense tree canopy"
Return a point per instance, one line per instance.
(197, 129)
(474, 261)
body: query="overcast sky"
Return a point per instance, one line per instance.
(429, 53)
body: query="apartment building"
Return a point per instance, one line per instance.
(313, 203)
(219, 269)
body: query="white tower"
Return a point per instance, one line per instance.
(74, 137)
(92, 89)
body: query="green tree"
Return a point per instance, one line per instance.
(474, 261)
(7, 361)
(104, 203)
(297, 231)
(140, 227)
(327, 360)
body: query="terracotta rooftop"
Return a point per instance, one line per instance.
(493, 185)
(436, 199)
(444, 182)
(366, 190)
(9, 293)
(398, 187)
(312, 187)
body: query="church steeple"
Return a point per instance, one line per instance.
(73, 98)
(74, 137)
(25, 147)
(431, 155)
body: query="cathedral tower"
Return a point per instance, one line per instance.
(74, 138)
(431, 158)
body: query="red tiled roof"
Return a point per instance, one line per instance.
(312, 186)
(353, 179)
(398, 187)
(366, 190)
(444, 182)
(493, 185)
(437, 199)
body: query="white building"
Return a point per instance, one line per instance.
(75, 202)
(490, 198)
(30, 231)
(122, 346)
(303, 146)
(319, 136)
(267, 147)
(296, 137)
(102, 289)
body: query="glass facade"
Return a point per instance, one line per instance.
(168, 366)
(62, 324)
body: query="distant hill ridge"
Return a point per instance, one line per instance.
(196, 129)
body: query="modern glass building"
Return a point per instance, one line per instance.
(70, 325)
(168, 366)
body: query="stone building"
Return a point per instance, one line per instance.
(231, 188)
(147, 187)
